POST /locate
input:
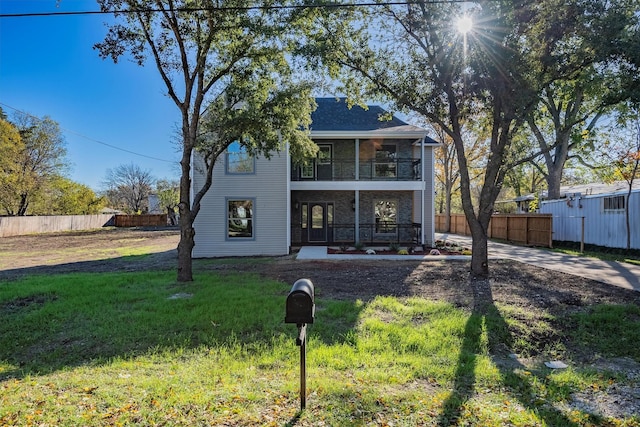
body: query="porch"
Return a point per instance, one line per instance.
(349, 217)
(369, 234)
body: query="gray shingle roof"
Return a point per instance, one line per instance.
(333, 114)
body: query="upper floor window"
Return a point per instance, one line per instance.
(238, 160)
(386, 165)
(614, 203)
(386, 212)
(324, 154)
(318, 167)
(308, 170)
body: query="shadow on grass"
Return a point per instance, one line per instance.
(487, 320)
(58, 321)
(165, 260)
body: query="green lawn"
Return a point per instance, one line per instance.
(139, 349)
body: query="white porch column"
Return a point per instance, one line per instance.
(422, 195)
(357, 194)
(357, 215)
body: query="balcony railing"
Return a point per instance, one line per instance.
(369, 234)
(370, 170)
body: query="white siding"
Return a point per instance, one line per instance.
(429, 212)
(268, 187)
(600, 228)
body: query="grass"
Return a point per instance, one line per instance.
(139, 349)
(599, 252)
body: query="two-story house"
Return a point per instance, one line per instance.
(372, 182)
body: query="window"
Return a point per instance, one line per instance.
(614, 203)
(307, 170)
(386, 166)
(317, 217)
(238, 160)
(240, 218)
(304, 213)
(386, 217)
(324, 154)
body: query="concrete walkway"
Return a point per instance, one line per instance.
(614, 273)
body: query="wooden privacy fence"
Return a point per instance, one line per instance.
(150, 220)
(21, 225)
(525, 229)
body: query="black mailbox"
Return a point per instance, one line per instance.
(301, 306)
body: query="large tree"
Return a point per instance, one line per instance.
(11, 147)
(495, 70)
(414, 56)
(601, 45)
(62, 196)
(128, 187)
(37, 157)
(201, 49)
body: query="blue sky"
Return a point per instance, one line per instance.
(49, 68)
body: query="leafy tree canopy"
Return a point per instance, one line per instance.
(205, 51)
(31, 161)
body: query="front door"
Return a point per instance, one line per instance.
(317, 219)
(317, 222)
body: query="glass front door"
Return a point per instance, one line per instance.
(317, 222)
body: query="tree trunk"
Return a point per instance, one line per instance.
(554, 179)
(24, 203)
(187, 214)
(447, 207)
(479, 249)
(187, 233)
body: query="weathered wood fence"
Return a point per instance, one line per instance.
(525, 229)
(20, 225)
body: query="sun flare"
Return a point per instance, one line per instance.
(464, 24)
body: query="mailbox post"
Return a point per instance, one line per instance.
(300, 309)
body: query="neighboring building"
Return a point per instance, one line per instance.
(603, 208)
(523, 203)
(154, 204)
(372, 182)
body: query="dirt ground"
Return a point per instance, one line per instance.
(534, 289)
(119, 249)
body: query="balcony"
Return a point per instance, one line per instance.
(401, 169)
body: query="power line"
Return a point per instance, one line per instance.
(232, 8)
(92, 139)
